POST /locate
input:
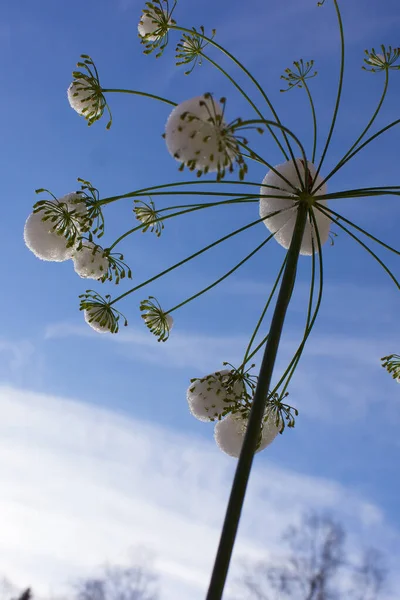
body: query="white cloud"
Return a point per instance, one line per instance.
(201, 351)
(82, 485)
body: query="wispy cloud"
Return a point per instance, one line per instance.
(186, 349)
(82, 485)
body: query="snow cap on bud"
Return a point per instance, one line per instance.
(210, 396)
(229, 433)
(282, 224)
(197, 136)
(159, 322)
(45, 240)
(84, 99)
(149, 25)
(99, 312)
(90, 261)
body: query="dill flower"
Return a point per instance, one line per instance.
(90, 261)
(211, 396)
(229, 433)
(288, 197)
(198, 137)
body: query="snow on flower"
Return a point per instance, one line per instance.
(90, 262)
(84, 99)
(229, 434)
(149, 25)
(210, 396)
(45, 241)
(197, 136)
(282, 224)
(97, 321)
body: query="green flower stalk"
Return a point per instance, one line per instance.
(248, 412)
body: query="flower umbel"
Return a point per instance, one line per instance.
(65, 217)
(90, 261)
(85, 94)
(159, 322)
(154, 25)
(147, 214)
(380, 61)
(229, 433)
(99, 313)
(392, 365)
(289, 194)
(213, 396)
(190, 48)
(297, 79)
(279, 412)
(198, 137)
(94, 216)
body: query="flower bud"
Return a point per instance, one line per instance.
(282, 224)
(229, 434)
(90, 262)
(210, 396)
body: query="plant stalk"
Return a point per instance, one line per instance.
(238, 491)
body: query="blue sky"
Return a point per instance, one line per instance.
(344, 452)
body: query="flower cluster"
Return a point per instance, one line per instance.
(99, 312)
(159, 322)
(226, 398)
(392, 365)
(147, 214)
(297, 77)
(190, 48)
(61, 229)
(198, 137)
(291, 185)
(382, 61)
(85, 93)
(154, 25)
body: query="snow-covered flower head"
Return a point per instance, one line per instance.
(99, 312)
(147, 214)
(52, 230)
(229, 433)
(85, 94)
(380, 61)
(210, 397)
(159, 322)
(154, 24)
(44, 240)
(90, 261)
(284, 183)
(198, 137)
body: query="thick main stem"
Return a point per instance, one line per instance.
(238, 492)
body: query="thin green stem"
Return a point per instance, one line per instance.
(361, 230)
(249, 100)
(314, 118)
(245, 462)
(288, 374)
(371, 121)
(247, 355)
(296, 139)
(185, 260)
(243, 68)
(152, 189)
(137, 93)
(209, 287)
(367, 248)
(192, 208)
(339, 92)
(350, 156)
